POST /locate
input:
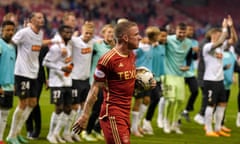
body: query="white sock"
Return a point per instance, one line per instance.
(3, 121)
(208, 118)
(238, 115)
(185, 111)
(53, 121)
(135, 121)
(68, 125)
(62, 120)
(219, 117)
(142, 110)
(79, 112)
(16, 118)
(26, 112)
(161, 105)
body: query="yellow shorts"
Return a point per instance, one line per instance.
(173, 87)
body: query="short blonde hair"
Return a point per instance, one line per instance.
(212, 31)
(151, 32)
(122, 28)
(8, 16)
(105, 27)
(120, 20)
(88, 25)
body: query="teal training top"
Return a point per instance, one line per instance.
(229, 58)
(144, 56)
(152, 58)
(99, 49)
(158, 61)
(7, 64)
(191, 71)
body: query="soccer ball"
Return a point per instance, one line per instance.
(143, 79)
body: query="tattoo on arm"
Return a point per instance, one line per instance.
(233, 35)
(220, 41)
(91, 99)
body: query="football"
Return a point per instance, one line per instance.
(143, 79)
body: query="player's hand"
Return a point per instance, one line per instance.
(229, 21)
(225, 23)
(153, 83)
(67, 69)
(226, 67)
(195, 49)
(184, 68)
(47, 84)
(64, 52)
(1, 91)
(80, 124)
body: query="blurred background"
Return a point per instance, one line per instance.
(202, 14)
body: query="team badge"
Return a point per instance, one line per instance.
(99, 73)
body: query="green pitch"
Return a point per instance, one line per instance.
(193, 133)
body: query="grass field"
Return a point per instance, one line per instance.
(193, 133)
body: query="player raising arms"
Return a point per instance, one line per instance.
(213, 76)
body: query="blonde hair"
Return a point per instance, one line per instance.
(105, 27)
(8, 16)
(121, 20)
(122, 28)
(212, 31)
(88, 25)
(151, 32)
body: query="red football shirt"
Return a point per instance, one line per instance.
(119, 73)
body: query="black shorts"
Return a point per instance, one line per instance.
(6, 100)
(142, 94)
(156, 92)
(61, 95)
(214, 92)
(80, 90)
(26, 87)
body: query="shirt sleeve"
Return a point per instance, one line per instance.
(51, 59)
(0, 50)
(100, 73)
(17, 38)
(195, 43)
(207, 48)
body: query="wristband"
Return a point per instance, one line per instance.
(224, 30)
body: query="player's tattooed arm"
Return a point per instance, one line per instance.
(233, 34)
(82, 121)
(91, 98)
(223, 35)
(1, 90)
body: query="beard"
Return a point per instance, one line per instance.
(132, 46)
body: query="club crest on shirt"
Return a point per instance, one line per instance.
(120, 65)
(99, 73)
